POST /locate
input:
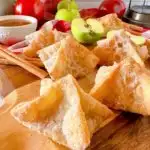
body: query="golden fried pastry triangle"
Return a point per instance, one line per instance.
(105, 51)
(41, 39)
(86, 83)
(65, 113)
(111, 22)
(68, 57)
(45, 85)
(124, 86)
(116, 49)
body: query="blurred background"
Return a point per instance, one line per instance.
(7, 4)
(89, 3)
(45, 10)
(95, 3)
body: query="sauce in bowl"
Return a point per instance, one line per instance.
(14, 28)
(13, 22)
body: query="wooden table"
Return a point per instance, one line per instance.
(127, 132)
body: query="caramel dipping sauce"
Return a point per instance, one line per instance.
(14, 136)
(13, 22)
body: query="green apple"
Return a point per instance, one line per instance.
(67, 14)
(67, 4)
(128, 34)
(138, 40)
(88, 31)
(111, 34)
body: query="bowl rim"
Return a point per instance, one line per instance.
(33, 21)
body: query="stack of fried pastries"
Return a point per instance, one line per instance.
(69, 109)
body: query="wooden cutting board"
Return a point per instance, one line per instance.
(125, 132)
(14, 136)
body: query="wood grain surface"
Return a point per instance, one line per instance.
(18, 76)
(126, 132)
(133, 136)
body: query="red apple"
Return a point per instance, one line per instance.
(43, 10)
(90, 13)
(24, 7)
(112, 6)
(62, 26)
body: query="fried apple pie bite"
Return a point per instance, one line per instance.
(139, 43)
(68, 57)
(124, 86)
(116, 48)
(65, 113)
(41, 39)
(86, 83)
(45, 85)
(111, 22)
(105, 51)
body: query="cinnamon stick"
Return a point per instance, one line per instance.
(4, 61)
(23, 63)
(36, 63)
(30, 58)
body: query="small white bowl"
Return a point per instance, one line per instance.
(12, 34)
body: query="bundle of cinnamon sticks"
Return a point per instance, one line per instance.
(30, 64)
(35, 61)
